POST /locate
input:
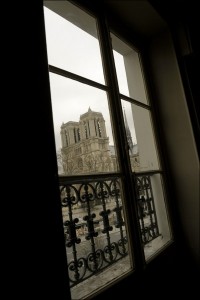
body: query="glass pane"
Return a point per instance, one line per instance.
(129, 71)
(131, 136)
(152, 213)
(143, 153)
(72, 41)
(82, 125)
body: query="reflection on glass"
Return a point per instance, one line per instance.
(145, 139)
(131, 136)
(129, 72)
(82, 126)
(154, 224)
(140, 137)
(121, 73)
(72, 42)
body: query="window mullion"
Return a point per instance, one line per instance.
(121, 141)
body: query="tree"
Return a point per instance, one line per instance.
(66, 165)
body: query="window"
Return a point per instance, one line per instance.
(111, 178)
(149, 180)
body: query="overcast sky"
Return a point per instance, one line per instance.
(74, 50)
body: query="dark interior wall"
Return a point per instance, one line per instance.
(183, 20)
(35, 261)
(180, 148)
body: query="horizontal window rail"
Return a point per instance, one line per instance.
(94, 227)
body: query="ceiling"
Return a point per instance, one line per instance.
(137, 15)
(149, 17)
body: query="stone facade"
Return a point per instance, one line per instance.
(85, 147)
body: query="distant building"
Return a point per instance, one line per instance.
(85, 146)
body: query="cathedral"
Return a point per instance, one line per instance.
(85, 147)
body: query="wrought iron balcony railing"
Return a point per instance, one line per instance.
(146, 208)
(94, 227)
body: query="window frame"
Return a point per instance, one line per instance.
(116, 112)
